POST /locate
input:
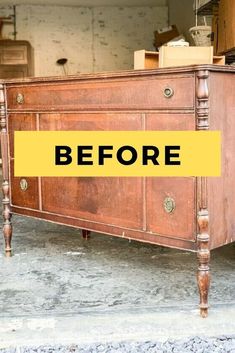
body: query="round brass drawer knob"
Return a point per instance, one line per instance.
(23, 184)
(20, 98)
(168, 92)
(169, 205)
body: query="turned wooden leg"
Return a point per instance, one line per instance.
(7, 227)
(86, 234)
(203, 275)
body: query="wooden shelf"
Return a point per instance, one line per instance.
(175, 56)
(207, 8)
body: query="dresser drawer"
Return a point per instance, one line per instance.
(175, 192)
(19, 122)
(171, 207)
(146, 94)
(113, 201)
(13, 55)
(13, 71)
(24, 191)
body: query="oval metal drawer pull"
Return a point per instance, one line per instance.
(23, 184)
(169, 204)
(20, 98)
(168, 92)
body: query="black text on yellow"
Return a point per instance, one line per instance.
(85, 155)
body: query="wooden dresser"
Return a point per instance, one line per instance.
(195, 214)
(16, 59)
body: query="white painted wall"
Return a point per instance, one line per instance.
(93, 39)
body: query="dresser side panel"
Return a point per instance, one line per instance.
(221, 190)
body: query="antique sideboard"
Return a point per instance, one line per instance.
(16, 59)
(195, 214)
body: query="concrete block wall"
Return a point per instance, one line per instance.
(118, 32)
(93, 39)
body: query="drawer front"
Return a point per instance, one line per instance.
(134, 94)
(171, 207)
(13, 55)
(7, 71)
(170, 202)
(90, 122)
(24, 191)
(19, 122)
(115, 201)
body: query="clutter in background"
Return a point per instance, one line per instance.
(164, 35)
(201, 34)
(213, 38)
(169, 56)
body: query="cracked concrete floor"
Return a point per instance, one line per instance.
(57, 282)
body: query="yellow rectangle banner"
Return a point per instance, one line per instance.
(117, 153)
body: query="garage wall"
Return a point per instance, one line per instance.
(182, 14)
(120, 31)
(93, 39)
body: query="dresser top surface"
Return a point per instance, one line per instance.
(123, 74)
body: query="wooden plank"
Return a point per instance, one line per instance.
(178, 56)
(146, 59)
(219, 60)
(150, 59)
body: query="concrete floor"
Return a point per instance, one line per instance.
(59, 288)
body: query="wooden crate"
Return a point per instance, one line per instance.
(178, 56)
(146, 59)
(151, 60)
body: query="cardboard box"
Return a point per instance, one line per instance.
(164, 35)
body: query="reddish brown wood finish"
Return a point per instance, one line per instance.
(110, 94)
(132, 234)
(91, 121)
(96, 199)
(182, 191)
(203, 275)
(86, 234)
(203, 237)
(7, 226)
(221, 191)
(25, 198)
(19, 122)
(188, 213)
